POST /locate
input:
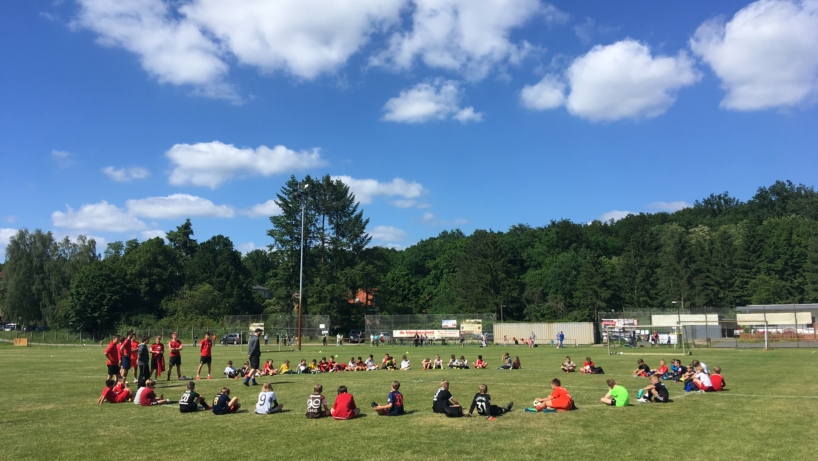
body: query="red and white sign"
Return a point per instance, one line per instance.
(435, 334)
(618, 323)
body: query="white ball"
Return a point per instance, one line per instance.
(536, 402)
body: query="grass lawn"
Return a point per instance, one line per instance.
(48, 398)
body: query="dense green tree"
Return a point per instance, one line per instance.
(485, 279)
(154, 271)
(99, 295)
(181, 240)
(219, 265)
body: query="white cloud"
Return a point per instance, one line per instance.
(153, 233)
(245, 248)
(5, 235)
(617, 81)
(305, 38)
(430, 219)
(387, 234)
(100, 216)
(425, 102)
(766, 55)
(170, 47)
(62, 158)
(585, 31)
(366, 189)
(125, 174)
(615, 215)
(549, 93)
(177, 206)
(471, 37)
(212, 163)
(670, 207)
(264, 210)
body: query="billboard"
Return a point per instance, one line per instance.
(449, 324)
(434, 334)
(619, 323)
(471, 326)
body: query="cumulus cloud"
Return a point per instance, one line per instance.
(766, 56)
(305, 38)
(670, 207)
(177, 206)
(169, 46)
(264, 210)
(387, 234)
(101, 216)
(62, 158)
(613, 82)
(430, 219)
(425, 102)
(104, 216)
(5, 235)
(366, 189)
(245, 248)
(212, 163)
(125, 174)
(614, 215)
(471, 37)
(153, 233)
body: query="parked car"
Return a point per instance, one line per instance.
(234, 338)
(10, 327)
(356, 337)
(42, 328)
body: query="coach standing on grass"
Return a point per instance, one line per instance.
(254, 354)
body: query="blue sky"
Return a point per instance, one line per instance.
(119, 120)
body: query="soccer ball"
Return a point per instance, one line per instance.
(536, 402)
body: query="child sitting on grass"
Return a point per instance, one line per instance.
(191, 400)
(148, 397)
(568, 365)
(515, 365)
(480, 363)
(702, 380)
(404, 363)
(453, 362)
(617, 395)
(344, 407)
(285, 368)
(111, 396)
(559, 400)
(267, 403)
(229, 371)
(323, 365)
(302, 367)
(360, 365)
(642, 370)
(223, 404)
(317, 404)
(656, 392)
(244, 370)
(506, 360)
(370, 363)
(482, 401)
(427, 364)
(717, 380)
(661, 370)
(394, 402)
(438, 364)
(588, 366)
(269, 369)
(463, 362)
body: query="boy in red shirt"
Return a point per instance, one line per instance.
(559, 400)
(112, 357)
(205, 347)
(480, 363)
(157, 357)
(661, 370)
(344, 407)
(111, 395)
(134, 355)
(148, 397)
(588, 366)
(175, 355)
(717, 380)
(125, 355)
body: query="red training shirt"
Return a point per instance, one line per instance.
(175, 344)
(157, 349)
(134, 351)
(112, 353)
(205, 346)
(109, 395)
(344, 406)
(561, 399)
(146, 399)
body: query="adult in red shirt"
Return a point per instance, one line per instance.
(112, 357)
(158, 357)
(205, 347)
(559, 399)
(344, 407)
(175, 355)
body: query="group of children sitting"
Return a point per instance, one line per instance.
(588, 367)
(695, 376)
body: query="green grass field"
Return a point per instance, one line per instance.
(770, 411)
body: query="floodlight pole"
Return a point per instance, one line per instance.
(302, 189)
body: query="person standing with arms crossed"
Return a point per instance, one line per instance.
(205, 347)
(254, 354)
(175, 347)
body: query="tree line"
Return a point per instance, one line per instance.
(721, 252)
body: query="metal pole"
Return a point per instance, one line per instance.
(301, 275)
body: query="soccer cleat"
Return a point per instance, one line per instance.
(198, 378)
(373, 404)
(549, 410)
(247, 384)
(208, 377)
(510, 404)
(255, 383)
(530, 410)
(492, 418)
(642, 400)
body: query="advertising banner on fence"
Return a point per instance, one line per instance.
(449, 324)
(471, 326)
(618, 323)
(435, 334)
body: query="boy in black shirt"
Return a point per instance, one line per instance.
(482, 400)
(642, 370)
(444, 402)
(656, 392)
(191, 400)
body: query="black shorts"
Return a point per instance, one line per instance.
(205, 360)
(254, 359)
(113, 369)
(660, 399)
(154, 365)
(126, 363)
(175, 360)
(613, 402)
